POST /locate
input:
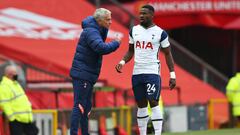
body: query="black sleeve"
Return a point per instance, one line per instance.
(130, 32)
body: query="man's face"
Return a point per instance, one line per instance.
(145, 16)
(106, 21)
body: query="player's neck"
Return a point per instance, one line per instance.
(148, 25)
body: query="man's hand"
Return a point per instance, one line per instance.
(172, 83)
(118, 38)
(118, 67)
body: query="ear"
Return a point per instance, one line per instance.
(99, 21)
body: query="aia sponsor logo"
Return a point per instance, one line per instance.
(22, 23)
(144, 45)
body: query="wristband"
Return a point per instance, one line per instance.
(172, 75)
(122, 62)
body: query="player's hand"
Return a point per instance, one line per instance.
(172, 83)
(118, 68)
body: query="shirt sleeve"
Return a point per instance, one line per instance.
(5, 101)
(164, 40)
(231, 87)
(131, 41)
(95, 41)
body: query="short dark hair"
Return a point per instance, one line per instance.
(149, 7)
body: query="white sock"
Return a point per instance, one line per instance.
(142, 120)
(157, 120)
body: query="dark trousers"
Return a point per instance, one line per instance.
(82, 97)
(19, 128)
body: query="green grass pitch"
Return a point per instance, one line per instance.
(235, 131)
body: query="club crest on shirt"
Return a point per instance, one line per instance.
(153, 36)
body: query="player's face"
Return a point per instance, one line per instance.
(145, 16)
(106, 21)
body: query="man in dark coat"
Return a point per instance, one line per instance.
(87, 63)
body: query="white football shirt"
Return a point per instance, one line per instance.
(147, 44)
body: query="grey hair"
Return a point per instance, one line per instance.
(100, 13)
(10, 68)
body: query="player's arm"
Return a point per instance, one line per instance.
(169, 58)
(170, 64)
(166, 49)
(127, 57)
